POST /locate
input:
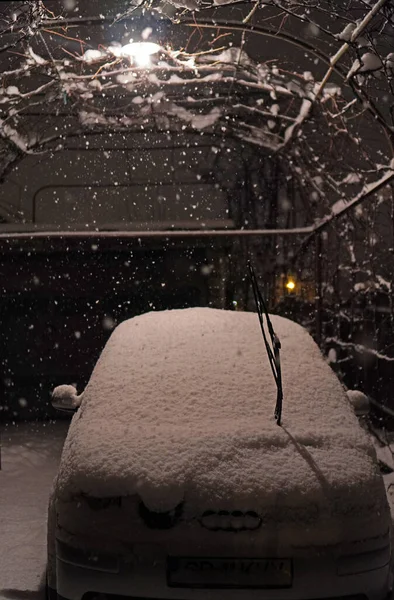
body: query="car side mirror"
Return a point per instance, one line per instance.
(359, 402)
(65, 398)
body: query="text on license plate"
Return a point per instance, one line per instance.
(229, 572)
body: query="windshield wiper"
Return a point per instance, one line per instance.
(274, 352)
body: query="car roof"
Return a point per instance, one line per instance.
(181, 404)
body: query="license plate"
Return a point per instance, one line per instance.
(229, 572)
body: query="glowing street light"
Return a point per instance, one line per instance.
(290, 284)
(140, 52)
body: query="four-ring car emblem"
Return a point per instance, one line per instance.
(236, 520)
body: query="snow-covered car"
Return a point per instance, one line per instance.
(176, 482)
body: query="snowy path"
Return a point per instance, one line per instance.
(30, 455)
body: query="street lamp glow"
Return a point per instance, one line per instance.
(290, 284)
(140, 52)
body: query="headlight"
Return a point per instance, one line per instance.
(88, 559)
(361, 563)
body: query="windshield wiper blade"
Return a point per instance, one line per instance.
(274, 352)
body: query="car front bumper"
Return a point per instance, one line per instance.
(314, 577)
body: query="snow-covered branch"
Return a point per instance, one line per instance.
(307, 121)
(342, 206)
(360, 348)
(319, 89)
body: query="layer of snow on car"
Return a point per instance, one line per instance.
(180, 408)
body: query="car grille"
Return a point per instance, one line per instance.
(160, 520)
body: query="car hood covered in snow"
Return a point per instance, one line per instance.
(180, 408)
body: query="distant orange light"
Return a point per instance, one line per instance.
(290, 285)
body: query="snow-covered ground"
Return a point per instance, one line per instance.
(30, 456)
